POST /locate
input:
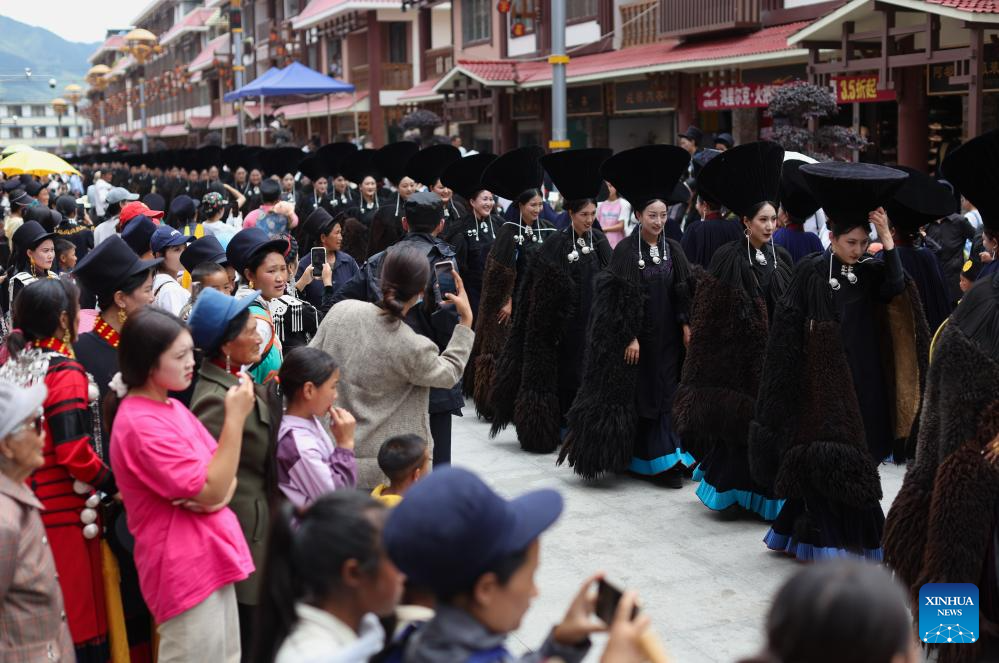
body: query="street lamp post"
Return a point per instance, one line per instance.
(140, 44)
(59, 105)
(73, 94)
(97, 78)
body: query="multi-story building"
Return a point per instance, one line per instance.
(640, 70)
(36, 124)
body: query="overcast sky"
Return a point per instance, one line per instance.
(75, 20)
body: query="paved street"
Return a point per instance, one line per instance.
(706, 579)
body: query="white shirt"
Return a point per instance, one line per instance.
(170, 295)
(105, 230)
(318, 637)
(98, 193)
(974, 217)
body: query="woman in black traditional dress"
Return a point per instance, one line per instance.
(516, 175)
(715, 229)
(797, 204)
(841, 380)
(426, 167)
(920, 201)
(943, 526)
(473, 234)
(538, 372)
(732, 309)
(386, 224)
(621, 418)
(359, 167)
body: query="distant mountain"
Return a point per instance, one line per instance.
(46, 53)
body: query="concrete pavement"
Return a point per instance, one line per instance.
(705, 578)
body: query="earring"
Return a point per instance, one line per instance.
(251, 285)
(228, 364)
(67, 338)
(122, 316)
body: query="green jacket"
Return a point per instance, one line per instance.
(252, 500)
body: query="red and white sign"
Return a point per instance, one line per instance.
(726, 97)
(859, 89)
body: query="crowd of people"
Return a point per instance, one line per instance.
(228, 379)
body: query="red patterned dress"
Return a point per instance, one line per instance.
(64, 484)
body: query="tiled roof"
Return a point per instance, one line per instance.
(112, 43)
(422, 91)
(204, 59)
(318, 107)
(662, 56)
(318, 11)
(974, 6)
(194, 20)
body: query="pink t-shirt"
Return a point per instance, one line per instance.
(160, 453)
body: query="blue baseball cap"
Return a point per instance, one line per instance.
(451, 527)
(165, 237)
(138, 233)
(211, 314)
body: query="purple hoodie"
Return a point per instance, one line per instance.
(308, 463)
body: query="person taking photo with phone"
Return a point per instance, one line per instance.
(432, 316)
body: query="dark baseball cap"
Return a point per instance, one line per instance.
(451, 527)
(66, 205)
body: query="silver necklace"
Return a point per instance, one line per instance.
(583, 247)
(653, 252)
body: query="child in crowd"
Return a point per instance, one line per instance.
(309, 465)
(404, 459)
(65, 256)
(327, 580)
(207, 275)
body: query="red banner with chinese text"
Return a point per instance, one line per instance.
(859, 89)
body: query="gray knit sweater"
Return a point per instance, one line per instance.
(386, 372)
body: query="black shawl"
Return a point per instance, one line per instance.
(525, 387)
(603, 419)
(716, 398)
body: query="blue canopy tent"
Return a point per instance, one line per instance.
(294, 80)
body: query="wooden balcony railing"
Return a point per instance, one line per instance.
(640, 23)
(437, 62)
(394, 76)
(682, 18)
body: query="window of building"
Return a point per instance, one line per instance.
(397, 42)
(64, 131)
(580, 9)
(521, 17)
(476, 20)
(37, 111)
(15, 132)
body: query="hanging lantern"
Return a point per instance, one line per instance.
(518, 29)
(503, 6)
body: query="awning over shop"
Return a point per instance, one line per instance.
(193, 21)
(173, 131)
(199, 122)
(339, 104)
(318, 11)
(217, 46)
(422, 92)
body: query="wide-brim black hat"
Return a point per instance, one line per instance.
(231, 156)
(919, 201)
(646, 173)
(208, 156)
(427, 165)
(464, 177)
(249, 242)
(849, 192)
(108, 265)
(391, 159)
(202, 250)
(333, 156)
(701, 159)
(312, 167)
(576, 173)
(29, 235)
(514, 172)
(281, 160)
(744, 176)
(359, 165)
(795, 196)
(317, 222)
(974, 169)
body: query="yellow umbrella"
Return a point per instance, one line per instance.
(35, 162)
(11, 149)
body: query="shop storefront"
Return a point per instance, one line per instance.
(642, 113)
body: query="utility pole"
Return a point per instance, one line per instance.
(558, 60)
(236, 32)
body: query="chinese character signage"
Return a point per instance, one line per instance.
(633, 96)
(587, 100)
(938, 75)
(859, 89)
(727, 97)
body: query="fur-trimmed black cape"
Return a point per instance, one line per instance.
(507, 258)
(808, 434)
(525, 390)
(716, 398)
(942, 525)
(603, 419)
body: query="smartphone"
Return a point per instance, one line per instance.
(608, 596)
(444, 271)
(318, 260)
